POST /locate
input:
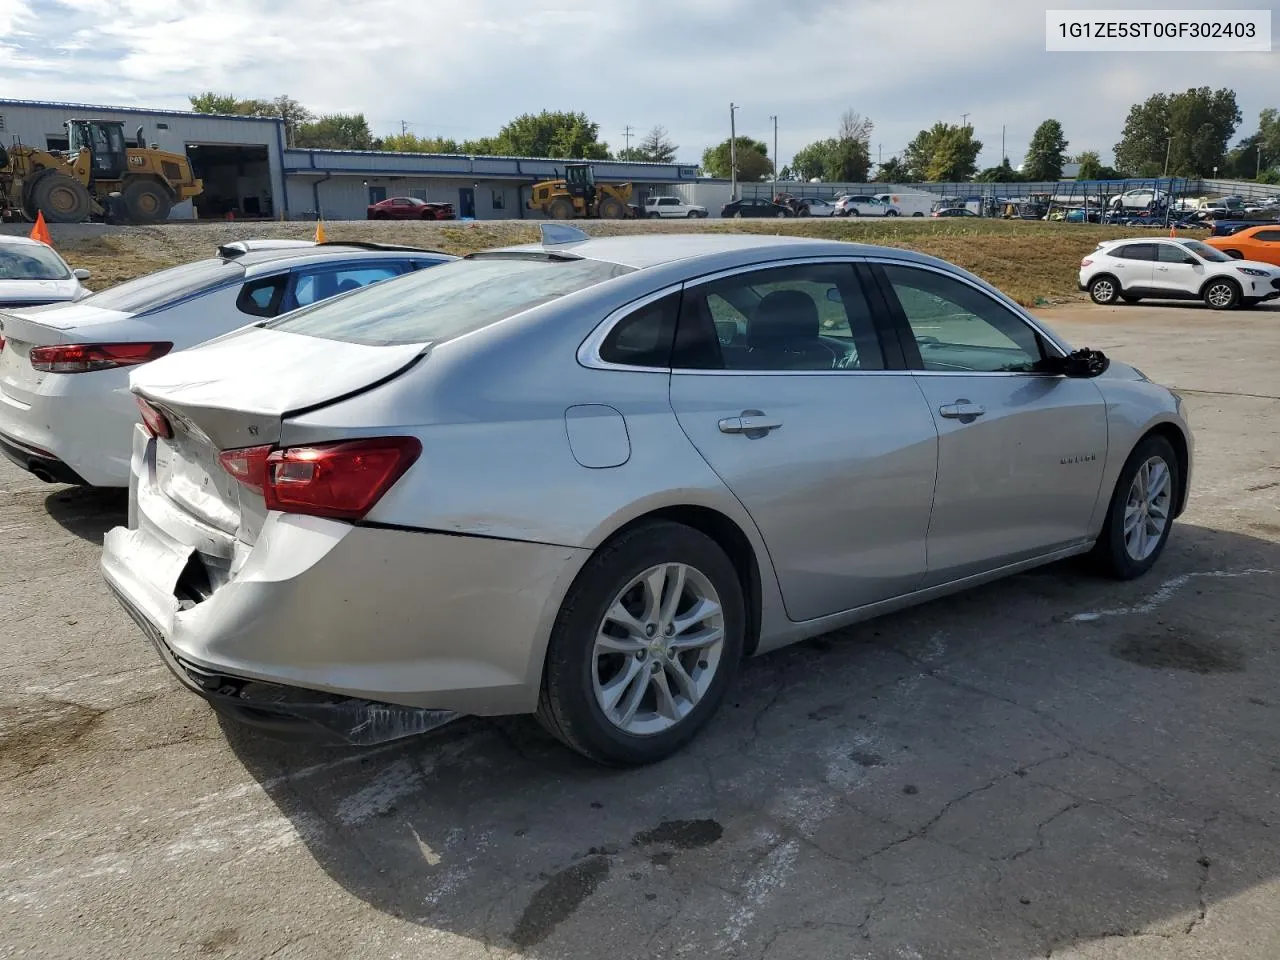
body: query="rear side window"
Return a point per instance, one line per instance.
(1137, 251)
(1267, 236)
(320, 284)
(644, 338)
(157, 289)
(261, 298)
(449, 300)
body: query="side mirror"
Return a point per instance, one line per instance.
(1085, 363)
(80, 273)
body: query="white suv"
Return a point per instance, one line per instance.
(655, 207)
(1172, 269)
(862, 205)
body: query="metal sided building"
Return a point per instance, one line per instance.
(240, 159)
(249, 173)
(340, 184)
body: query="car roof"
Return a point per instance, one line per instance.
(16, 240)
(643, 251)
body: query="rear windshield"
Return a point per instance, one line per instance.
(21, 261)
(445, 301)
(157, 289)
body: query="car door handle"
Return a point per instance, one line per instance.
(749, 422)
(962, 410)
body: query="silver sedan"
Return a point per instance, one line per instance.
(586, 478)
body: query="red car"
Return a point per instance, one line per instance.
(408, 208)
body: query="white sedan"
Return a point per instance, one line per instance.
(66, 414)
(818, 208)
(32, 274)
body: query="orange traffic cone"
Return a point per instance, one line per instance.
(41, 230)
(1173, 230)
(320, 238)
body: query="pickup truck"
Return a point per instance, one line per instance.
(655, 207)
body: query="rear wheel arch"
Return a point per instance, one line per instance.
(729, 536)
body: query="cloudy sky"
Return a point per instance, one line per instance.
(460, 68)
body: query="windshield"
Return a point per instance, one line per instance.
(446, 301)
(157, 289)
(31, 262)
(1205, 252)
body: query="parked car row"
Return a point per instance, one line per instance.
(582, 478)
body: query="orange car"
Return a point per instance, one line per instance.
(1252, 243)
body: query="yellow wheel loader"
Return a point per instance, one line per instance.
(577, 196)
(100, 176)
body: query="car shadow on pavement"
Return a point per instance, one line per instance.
(88, 512)
(1044, 761)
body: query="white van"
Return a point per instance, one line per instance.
(909, 204)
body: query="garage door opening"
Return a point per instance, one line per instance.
(237, 180)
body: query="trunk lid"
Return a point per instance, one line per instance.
(23, 330)
(236, 391)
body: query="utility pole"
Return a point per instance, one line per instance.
(733, 153)
(1003, 156)
(404, 127)
(880, 154)
(1167, 150)
(626, 135)
(964, 120)
(1258, 175)
(775, 154)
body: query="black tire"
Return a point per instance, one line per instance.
(562, 209)
(802, 212)
(891, 213)
(146, 201)
(567, 705)
(1221, 294)
(1129, 298)
(1110, 556)
(1236, 254)
(655, 216)
(610, 209)
(781, 213)
(917, 214)
(1104, 290)
(691, 215)
(737, 214)
(62, 199)
(852, 213)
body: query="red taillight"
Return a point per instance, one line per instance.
(339, 480)
(89, 357)
(157, 423)
(1085, 262)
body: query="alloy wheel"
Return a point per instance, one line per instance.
(1146, 512)
(657, 649)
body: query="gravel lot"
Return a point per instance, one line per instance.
(1054, 765)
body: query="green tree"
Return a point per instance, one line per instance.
(944, 153)
(1190, 129)
(753, 160)
(656, 147)
(1002, 174)
(1045, 153)
(893, 170)
(551, 133)
(1090, 165)
(844, 158)
(337, 131)
(411, 143)
(285, 108)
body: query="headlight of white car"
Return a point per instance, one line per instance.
(1252, 272)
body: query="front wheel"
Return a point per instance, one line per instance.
(691, 215)
(780, 213)
(655, 216)
(648, 640)
(1141, 511)
(1221, 294)
(891, 213)
(737, 215)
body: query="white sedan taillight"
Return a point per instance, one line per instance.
(91, 357)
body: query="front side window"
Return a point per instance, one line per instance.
(449, 300)
(1171, 253)
(960, 329)
(1206, 252)
(807, 317)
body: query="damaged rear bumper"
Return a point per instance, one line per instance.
(273, 708)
